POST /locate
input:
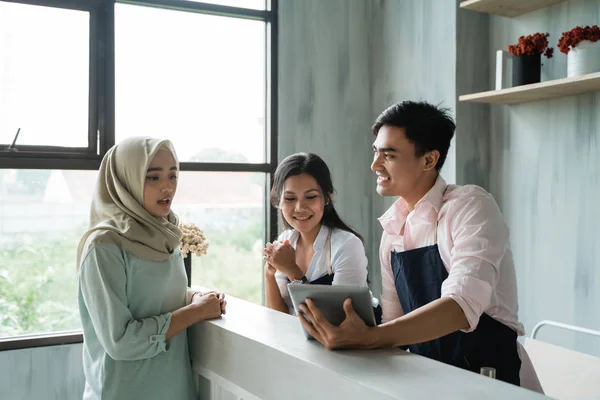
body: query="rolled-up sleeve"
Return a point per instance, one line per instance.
(480, 240)
(390, 304)
(102, 283)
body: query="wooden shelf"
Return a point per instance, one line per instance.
(507, 8)
(538, 91)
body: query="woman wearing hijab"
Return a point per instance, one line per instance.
(134, 301)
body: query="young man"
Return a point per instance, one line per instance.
(449, 285)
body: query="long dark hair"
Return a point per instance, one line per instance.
(313, 165)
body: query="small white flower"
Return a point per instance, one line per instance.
(193, 240)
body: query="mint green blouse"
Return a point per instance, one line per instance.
(125, 305)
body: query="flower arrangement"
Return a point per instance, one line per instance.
(570, 39)
(532, 45)
(192, 240)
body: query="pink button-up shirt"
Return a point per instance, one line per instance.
(473, 241)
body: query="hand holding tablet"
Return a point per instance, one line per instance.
(330, 302)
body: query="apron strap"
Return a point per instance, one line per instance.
(328, 252)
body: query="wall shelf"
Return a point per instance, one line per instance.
(538, 91)
(507, 8)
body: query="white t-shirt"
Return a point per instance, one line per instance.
(348, 260)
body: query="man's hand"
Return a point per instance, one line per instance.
(352, 332)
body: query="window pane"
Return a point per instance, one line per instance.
(198, 80)
(43, 214)
(229, 208)
(44, 75)
(253, 4)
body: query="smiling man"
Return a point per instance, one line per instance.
(449, 288)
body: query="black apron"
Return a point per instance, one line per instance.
(418, 275)
(327, 279)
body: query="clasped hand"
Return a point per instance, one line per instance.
(213, 304)
(281, 256)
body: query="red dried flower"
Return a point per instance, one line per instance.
(532, 44)
(570, 39)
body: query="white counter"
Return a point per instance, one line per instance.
(256, 353)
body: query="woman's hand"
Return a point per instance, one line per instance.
(210, 305)
(270, 270)
(223, 303)
(282, 257)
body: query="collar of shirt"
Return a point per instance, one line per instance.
(320, 240)
(395, 217)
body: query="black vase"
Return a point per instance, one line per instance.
(526, 69)
(187, 262)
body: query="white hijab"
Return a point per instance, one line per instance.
(118, 215)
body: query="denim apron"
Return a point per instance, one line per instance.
(418, 277)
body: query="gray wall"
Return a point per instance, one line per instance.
(49, 373)
(342, 62)
(472, 120)
(325, 97)
(544, 171)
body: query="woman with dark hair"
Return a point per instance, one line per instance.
(317, 247)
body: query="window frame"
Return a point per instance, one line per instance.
(101, 125)
(96, 9)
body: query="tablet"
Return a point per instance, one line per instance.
(330, 299)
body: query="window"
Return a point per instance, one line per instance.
(196, 79)
(35, 66)
(254, 4)
(43, 214)
(47, 80)
(230, 208)
(76, 76)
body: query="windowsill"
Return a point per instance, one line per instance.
(41, 340)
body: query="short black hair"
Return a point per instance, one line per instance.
(426, 126)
